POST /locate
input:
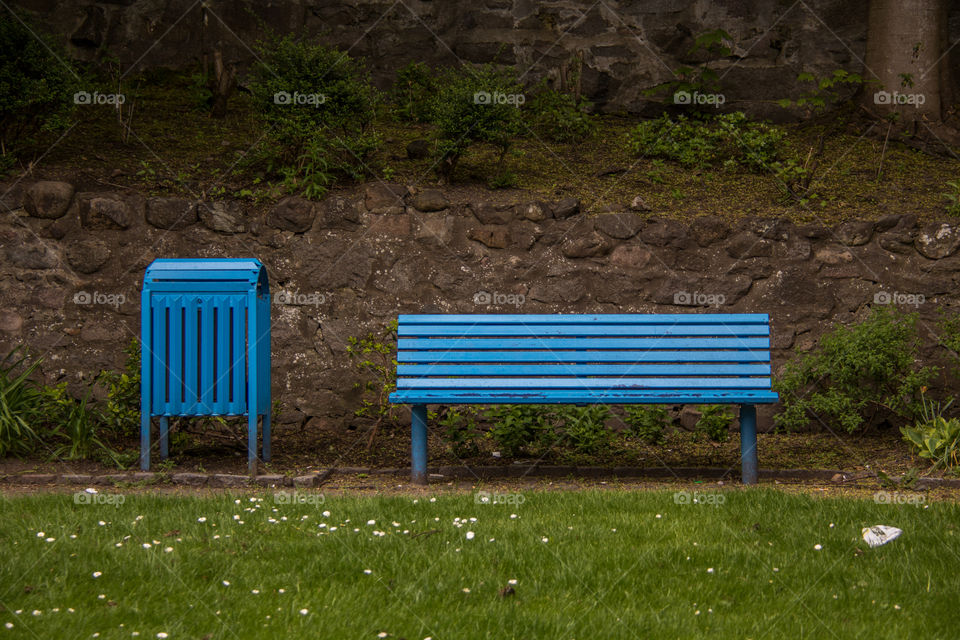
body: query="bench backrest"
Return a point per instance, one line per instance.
(583, 358)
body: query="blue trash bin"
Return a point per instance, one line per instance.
(205, 346)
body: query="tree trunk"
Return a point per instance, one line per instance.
(906, 46)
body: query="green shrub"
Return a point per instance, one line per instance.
(414, 93)
(584, 429)
(714, 422)
(856, 373)
(934, 436)
(559, 116)
(460, 430)
(707, 141)
(521, 427)
(319, 105)
(647, 422)
(476, 104)
(37, 87)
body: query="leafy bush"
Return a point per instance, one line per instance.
(559, 116)
(414, 93)
(584, 428)
(476, 104)
(714, 422)
(521, 426)
(730, 139)
(935, 437)
(36, 88)
(320, 106)
(460, 430)
(856, 373)
(647, 422)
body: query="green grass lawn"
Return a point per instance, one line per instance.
(587, 564)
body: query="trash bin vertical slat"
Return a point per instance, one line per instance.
(207, 346)
(175, 319)
(238, 375)
(158, 356)
(191, 364)
(195, 344)
(223, 355)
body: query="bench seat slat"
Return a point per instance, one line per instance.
(404, 344)
(567, 396)
(449, 357)
(575, 318)
(583, 383)
(567, 331)
(582, 369)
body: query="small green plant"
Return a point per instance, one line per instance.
(715, 421)
(121, 411)
(935, 437)
(414, 93)
(476, 104)
(729, 139)
(521, 427)
(856, 374)
(700, 79)
(823, 92)
(460, 430)
(647, 422)
(506, 179)
(75, 425)
(953, 198)
(560, 117)
(584, 429)
(948, 330)
(373, 355)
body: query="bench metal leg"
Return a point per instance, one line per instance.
(266, 437)
(252, 442)
(164, 437)
(748, 444)
(145, 440)
(418, 444)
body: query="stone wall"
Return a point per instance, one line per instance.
(625, 46)
(73, 263)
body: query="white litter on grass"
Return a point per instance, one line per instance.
(880, 534)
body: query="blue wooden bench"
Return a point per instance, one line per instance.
(696, 358)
